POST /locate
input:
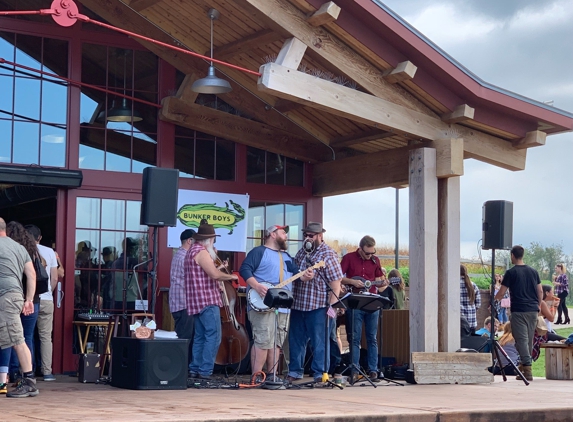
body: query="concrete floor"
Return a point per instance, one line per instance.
(68, 400)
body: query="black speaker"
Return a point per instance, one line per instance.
(159, 197)
(157, 364)
(278, 298)
(497, 225)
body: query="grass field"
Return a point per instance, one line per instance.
(539, 365)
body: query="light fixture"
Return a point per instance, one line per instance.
(123, 111)
(211, 84)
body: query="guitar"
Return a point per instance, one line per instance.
(367, 285)
(257, 302)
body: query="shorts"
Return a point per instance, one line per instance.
(263, 327)
(11, 330)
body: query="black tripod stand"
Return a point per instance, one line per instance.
(495, 348)
(359, 302)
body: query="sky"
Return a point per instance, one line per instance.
(523, 46)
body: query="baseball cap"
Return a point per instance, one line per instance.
(274, 228)
(187, 234)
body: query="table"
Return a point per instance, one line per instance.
(558, 361)
(106, 356)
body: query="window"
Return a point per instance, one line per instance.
(263, 215)
(109, 243)
(273, 169)
(202, 156)
(124, 146)
(33, 108)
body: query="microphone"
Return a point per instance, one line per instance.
(308, 246)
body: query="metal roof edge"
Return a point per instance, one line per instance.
(466, 70)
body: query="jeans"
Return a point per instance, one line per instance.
(335, 353)
(207, 340)
(29, 325)
(305, 326)
(523, 328)
(184, 327)
(502, 315)
(5, 360)
(371, 322)
(562, 309)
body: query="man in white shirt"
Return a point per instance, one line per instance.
(45, 322)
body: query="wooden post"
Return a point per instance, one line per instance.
(449, 264)
(423, 251)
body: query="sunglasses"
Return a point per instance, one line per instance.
(311, 235)
(369, 253)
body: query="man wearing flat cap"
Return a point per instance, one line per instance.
(203, 300)
(312, 304)
(184, 323)
(272, 264)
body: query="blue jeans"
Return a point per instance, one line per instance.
(305, 325)
(5, 360)
(335, 353)
(502, 315)
(184, 327)
(207, 340)
(29, 325)
(371, 321)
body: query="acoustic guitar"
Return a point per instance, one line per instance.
(257, 302)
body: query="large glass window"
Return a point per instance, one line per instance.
(33, 107)
(263, 215)
(274, 169)
(110, 244)
(118, 134)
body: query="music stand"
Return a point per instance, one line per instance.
(359, 302)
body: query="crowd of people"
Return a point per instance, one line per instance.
(308, 326)
(532, 309)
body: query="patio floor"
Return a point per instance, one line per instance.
(68, 400)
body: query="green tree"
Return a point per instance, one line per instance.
(544, 258)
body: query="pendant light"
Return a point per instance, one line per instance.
(123, 112)
(211, 84)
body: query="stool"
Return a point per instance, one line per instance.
(558, 361)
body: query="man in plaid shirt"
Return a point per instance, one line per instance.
(184, 322)
(312, 299)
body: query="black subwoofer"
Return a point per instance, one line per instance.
(497, 225)
(149, 364)
(159, 197)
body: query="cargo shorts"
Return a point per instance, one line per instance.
(263, 327)
(11, 330)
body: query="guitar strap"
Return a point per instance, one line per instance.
(282, 267)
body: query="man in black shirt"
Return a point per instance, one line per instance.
(526, 295)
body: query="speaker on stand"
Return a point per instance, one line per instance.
(497, 225)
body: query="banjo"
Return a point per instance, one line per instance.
(257, 302)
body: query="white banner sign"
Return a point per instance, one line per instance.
(225, 211)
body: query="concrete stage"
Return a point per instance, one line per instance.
(68, 400)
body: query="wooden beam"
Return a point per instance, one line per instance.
(248, 43)
(460, 114)
(403, 72)
(285, 105)
(363, 172)
(532, 139)
(327, 13)
(291, 53)
(139, 5)
(241, 130)
(452, 368)
(368, 109)
(423, 243)
(449, 157)
(372, 135)
(185, 93)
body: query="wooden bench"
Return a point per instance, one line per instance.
(558, 361)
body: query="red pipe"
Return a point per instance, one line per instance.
(80, 84)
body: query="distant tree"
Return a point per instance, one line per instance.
(544, 258)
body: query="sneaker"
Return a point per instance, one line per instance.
(192, 375)
(49, 377)
(3, 388)
(373, 375)
(206, 377)
(271, 377)
(26, 388)
(292, 379)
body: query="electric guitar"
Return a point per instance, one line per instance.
(257, 302)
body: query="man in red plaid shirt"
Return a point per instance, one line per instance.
(203, 300)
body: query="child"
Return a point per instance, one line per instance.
(397, 284)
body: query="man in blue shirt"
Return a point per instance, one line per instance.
(485, 330)
(263, 264)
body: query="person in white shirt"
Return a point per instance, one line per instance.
(45, 322)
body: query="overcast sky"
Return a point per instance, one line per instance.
(520, 45)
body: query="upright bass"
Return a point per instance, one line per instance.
(234, 338)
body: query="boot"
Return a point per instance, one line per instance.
(527, 373)
(520, 367)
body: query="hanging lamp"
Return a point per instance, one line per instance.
(123, 111)
(211, 84)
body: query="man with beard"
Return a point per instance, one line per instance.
(269, 263)
(312, 304)
(203, 300)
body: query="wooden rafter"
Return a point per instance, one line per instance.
(371, 135)
(326, 13)
(241, 130)
(233, 49)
